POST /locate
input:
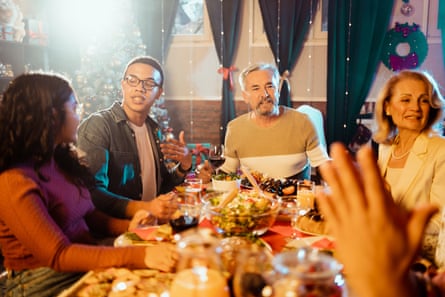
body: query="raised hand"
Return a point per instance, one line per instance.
(376, 240)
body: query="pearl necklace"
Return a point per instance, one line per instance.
(401, 156)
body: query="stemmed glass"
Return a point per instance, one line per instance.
(216, 155)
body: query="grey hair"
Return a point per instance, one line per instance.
(258, 67)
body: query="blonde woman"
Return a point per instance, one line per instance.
(411, 152)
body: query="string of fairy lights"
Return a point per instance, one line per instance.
(221, 50)
(309, 57)
(191, 92)
(347, 63)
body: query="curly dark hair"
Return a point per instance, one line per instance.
(28, 111)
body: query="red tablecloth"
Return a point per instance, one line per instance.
(277, 236)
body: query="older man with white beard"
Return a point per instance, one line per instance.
(275, 140)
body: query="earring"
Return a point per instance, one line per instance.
(388, 114)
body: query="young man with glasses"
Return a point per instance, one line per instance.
(124, 151)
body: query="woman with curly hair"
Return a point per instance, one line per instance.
(47, 218)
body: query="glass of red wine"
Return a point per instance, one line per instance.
(216, 155)
(188, 212)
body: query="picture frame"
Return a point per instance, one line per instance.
(192, 24)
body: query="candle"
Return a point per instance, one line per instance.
(199, 282)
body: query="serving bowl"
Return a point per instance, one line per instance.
(248, 213)
(225, 182)
(225, 185)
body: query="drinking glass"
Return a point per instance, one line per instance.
(188, 212)
(193, 186)
(294, 206)
(216, 155)
(199, 270)
(253, 272)
(306, 188)
(307, 272)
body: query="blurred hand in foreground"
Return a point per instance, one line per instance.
(376, 240)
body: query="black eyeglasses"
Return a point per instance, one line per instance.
(147, 84)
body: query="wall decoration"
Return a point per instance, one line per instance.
(189, 18)
(404, 34)
(257, 33)
(407, 9)
(11, 21)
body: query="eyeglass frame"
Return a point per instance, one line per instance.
(152, 85)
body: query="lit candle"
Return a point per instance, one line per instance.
(199, 282)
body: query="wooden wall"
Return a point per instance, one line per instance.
(201, 122)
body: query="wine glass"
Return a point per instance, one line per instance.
(216, 155)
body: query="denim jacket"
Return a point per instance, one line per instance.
(112, 155)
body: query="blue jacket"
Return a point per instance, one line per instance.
(112, 156)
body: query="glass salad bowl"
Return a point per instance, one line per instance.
(241, 214)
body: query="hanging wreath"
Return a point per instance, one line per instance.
(404, 33)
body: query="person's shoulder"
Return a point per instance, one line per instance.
(102, 117)
(436, 140)
(298, 117)
(292, 112)
(19, 172)
(239, 120)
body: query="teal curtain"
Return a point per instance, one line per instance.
(153, 17)
(353, 58)
(225, 16)
(287, 42)
(441, 26)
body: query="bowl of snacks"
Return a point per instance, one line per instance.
(225, 181)
(241, 213)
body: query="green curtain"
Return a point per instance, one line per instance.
(353, 58)
(441, 26)
(287, 42)
(153, 17)
(225, 14)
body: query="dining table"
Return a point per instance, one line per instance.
(278, 238)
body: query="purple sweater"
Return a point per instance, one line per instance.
(42, 224)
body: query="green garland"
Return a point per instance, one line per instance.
(404, 33)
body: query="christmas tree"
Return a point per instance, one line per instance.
(97, 82)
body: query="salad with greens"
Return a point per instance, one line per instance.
(226, 176)
(248, 213)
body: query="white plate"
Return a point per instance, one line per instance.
(305, 241)
(309, 233)
(123, 240)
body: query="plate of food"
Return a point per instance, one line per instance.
(146, 236)
(276, 186)
(121, 282)
(312, 223)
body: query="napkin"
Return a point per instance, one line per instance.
(323, 243)
(146, 233)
